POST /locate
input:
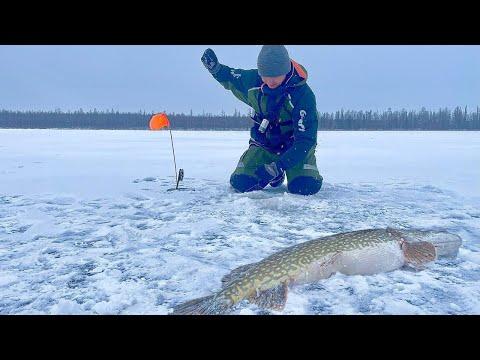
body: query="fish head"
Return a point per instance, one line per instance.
(446, 244)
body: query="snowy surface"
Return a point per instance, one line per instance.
(89, 223)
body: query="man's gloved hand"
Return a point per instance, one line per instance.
(269, 172)
(209, 59)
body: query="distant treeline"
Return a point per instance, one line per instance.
(442, 119)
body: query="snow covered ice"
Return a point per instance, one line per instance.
(89, 223)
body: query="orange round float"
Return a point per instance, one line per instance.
(159, 121)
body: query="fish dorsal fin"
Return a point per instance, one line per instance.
(235, 273)
(419, 253)
(273, 298)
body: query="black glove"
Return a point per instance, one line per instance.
(209, 59)
(269, 172)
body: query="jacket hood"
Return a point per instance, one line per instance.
(298, 76)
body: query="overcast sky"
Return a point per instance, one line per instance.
(171, 78)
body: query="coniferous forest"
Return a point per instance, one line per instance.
(441, 119)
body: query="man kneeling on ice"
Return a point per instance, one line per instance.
(284, 134)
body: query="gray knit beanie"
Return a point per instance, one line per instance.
(273, 61)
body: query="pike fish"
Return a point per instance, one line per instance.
(363, 252)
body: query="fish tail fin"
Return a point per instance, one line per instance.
(194, 307)
(208, 305)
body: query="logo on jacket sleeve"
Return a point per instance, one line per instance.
(235, 75)
(301, 127)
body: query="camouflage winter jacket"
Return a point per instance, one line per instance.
(292, 132)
